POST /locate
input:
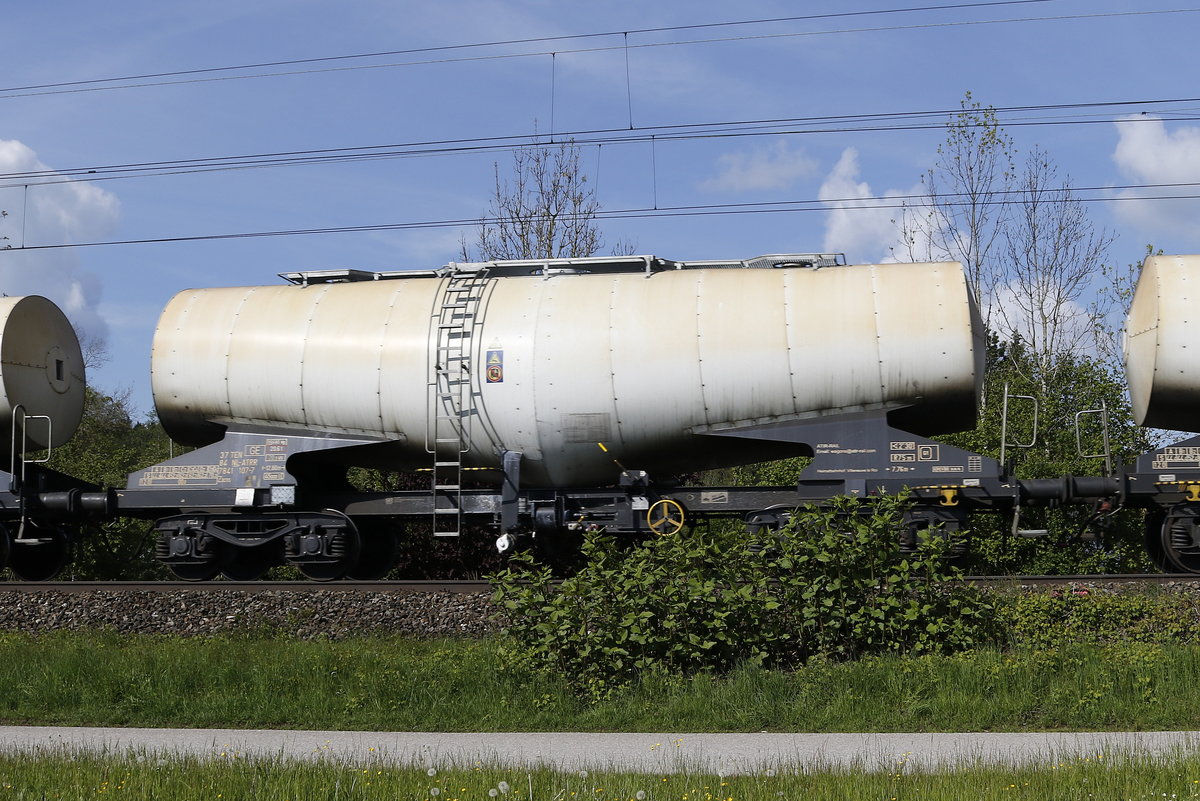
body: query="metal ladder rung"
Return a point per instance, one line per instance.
(452, 322)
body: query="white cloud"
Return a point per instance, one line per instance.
(1147, 152)
(858, 228)
(776, 167)
(48, 213)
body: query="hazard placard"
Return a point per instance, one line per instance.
(495, 367)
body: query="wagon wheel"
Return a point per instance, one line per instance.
(196, 571)
(5, 547)
(206, 551)
(345, 545)
(1180, 541)
(40, 557)
(666, 517)
(1153, 539)
(377, 555)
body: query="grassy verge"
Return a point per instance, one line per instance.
(50, 775)
(404, 685)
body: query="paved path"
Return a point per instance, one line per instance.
(648, 752)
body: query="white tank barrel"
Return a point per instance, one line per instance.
(41, 373)
(1162, 344)
(646, 363)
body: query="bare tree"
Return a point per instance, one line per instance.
(1050, 300)
(94, 350)
(545, 209)
(1032, 255)
(1117, 284)
(959, 218)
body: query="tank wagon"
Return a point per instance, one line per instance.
(1162, 340)
(548, 397)
(662, 362)
(41, 404)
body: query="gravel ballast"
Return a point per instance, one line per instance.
(204, 612)
(321, 613)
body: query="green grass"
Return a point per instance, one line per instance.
(57, 775)
(396, 684)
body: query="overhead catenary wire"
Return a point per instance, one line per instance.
(512, 42)
(890, 202)
(861, 123)
(873, 122)
(14, 93)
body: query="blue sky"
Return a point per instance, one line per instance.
(1047, 52)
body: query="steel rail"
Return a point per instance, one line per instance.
(246, 586)
(481, 586)
(1093, 578)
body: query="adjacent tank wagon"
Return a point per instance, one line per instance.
(1162, 346)
(42, 386)
(41, 374)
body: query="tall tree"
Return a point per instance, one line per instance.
(544, 209)
(1031, 253)
(1036, 263)
(1050, 300)
(1117, 284)
(958, 219)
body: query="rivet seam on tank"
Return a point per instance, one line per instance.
(312, 313)
(700, 343)
(179, 326)
(878, 338)
(229, 347)
(787, 336)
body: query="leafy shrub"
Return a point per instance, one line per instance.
(830, 584)
(1099, 618)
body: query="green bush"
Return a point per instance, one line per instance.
(831, 584)
(1098, 618)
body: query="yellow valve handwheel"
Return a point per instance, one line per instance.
(665, 518)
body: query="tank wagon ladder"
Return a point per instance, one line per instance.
(448, 435)
(21, 459)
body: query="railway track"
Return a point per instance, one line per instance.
(1094, 578)
(246, 586)
(477, 586)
